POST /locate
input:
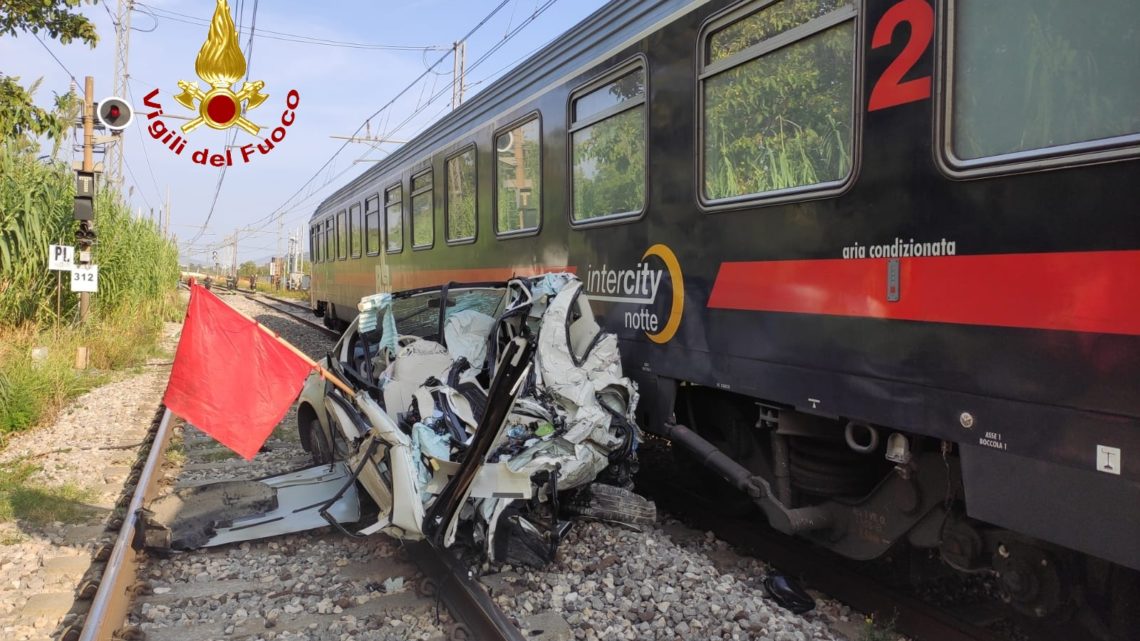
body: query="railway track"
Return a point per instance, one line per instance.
(320, 585)
(300, 313)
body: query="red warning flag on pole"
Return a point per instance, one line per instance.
(231, 378)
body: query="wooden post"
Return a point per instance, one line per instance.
(88, 165)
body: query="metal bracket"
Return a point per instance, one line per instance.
(894, 290)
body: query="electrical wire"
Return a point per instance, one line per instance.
(538, 11)
(146, 154)
(54, 57)
(421, 106)
(280, 208)
(136, 182)
(175, 16)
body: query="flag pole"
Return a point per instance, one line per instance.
(302, 355)
(315, 365)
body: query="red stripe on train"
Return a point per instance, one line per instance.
(1071, 291)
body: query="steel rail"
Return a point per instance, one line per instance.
(287, 301)
(112, 600)
(300, 319)
(476, 613)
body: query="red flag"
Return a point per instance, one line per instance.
(230, 378)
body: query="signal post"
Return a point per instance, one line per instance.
(85, 194)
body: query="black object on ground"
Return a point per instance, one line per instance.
(788, 594)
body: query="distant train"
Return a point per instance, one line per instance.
(876, 263)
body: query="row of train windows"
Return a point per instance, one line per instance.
(608, 182)
(1029, 79)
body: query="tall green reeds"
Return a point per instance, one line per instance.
(136, 264)
(138, 274)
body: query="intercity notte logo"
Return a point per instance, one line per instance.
(639, 286)
(220, 64)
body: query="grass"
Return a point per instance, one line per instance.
(23, 499)
(176, 452)
(218, 455)
(266, 288)
(33, 391)
(878, 632)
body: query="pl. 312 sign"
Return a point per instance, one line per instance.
(84, 278)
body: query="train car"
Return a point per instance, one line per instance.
(875, 262)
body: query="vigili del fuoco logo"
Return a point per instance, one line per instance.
(220, 64)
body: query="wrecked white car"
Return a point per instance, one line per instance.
(483, 414)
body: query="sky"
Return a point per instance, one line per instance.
(339, 87)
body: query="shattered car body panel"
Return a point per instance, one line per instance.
(482, 414)
(229, 511)
(426, 363)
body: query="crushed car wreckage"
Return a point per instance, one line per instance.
(486, 414)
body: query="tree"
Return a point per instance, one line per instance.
(247, 269)
(783, 119)
(53, 16)
(20, 119)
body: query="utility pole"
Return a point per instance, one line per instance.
(114, 168)
(280, 248)
(84, 238)
(233, 258)
(459, 53)
(166, 219)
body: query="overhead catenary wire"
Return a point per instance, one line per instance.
(146, 154)
(280, 208)
(131, 173)
(421, 106)
(56, 58)
(175, 16)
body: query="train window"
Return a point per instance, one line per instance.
(777, 100)
(518, 179)
(459, 206)
(330, 240)
(355, 230)
(315, 243)
(372, 226)
(341, 235)
(423, 211)
(394, 218)
(607, 143)
(1033, 78)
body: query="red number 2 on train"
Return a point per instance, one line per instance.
(890, 90)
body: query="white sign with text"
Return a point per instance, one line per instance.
(85, 278)
(61, 257)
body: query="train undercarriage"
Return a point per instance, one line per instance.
(866, 492)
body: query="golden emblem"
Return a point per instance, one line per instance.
(220, 63)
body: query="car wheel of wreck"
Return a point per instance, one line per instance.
(321, 451)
